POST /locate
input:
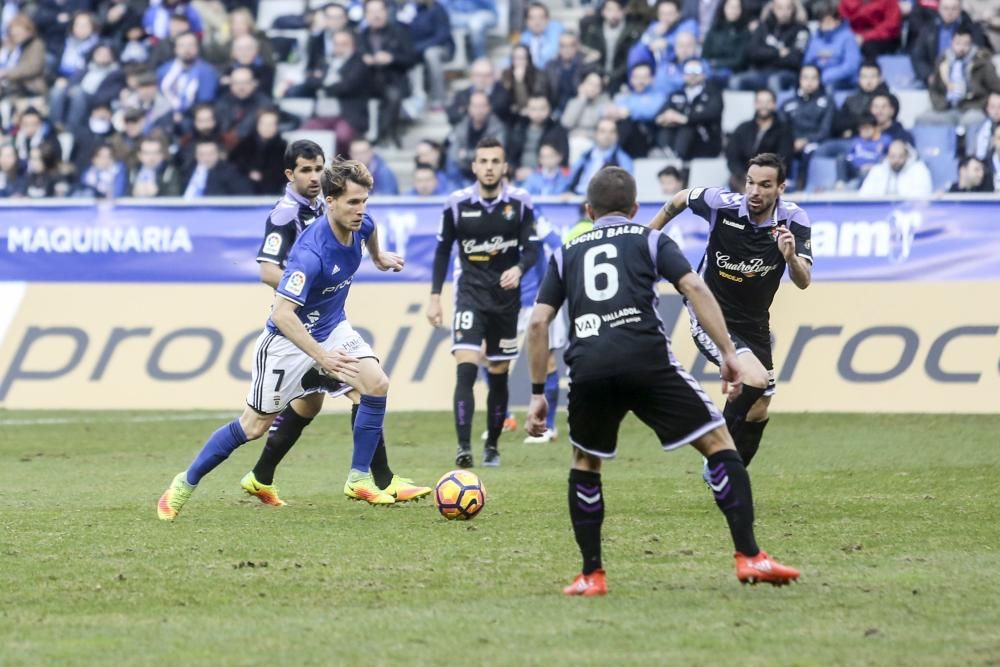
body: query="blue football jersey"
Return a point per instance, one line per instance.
(318, 276)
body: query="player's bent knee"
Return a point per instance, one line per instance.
(759, 410)
(255, 425)
(584, 461)
(713, 442)
(498, 367)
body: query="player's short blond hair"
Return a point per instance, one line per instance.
(340, 172)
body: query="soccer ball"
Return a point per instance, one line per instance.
(460, 494)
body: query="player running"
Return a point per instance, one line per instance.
(300, 206)
(308, 333)
(752, 238)
(620, 359)
(494, 226)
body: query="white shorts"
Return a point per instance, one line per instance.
(282, 372)
(558, 327)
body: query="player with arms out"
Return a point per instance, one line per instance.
(752, 239)
(620, 360)
(494, 226)
(308, 330)
(300, 206)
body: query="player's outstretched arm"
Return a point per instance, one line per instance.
(709, 315)
(336, 362)
(383, 261)
(670, 210)
(538, 357)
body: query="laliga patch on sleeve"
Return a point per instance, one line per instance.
(295, 283)
(696, 193)
(272, 244)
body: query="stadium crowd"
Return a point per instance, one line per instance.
(129, 98)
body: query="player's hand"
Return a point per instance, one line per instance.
(434, 314)
(388, 261)
(538, 410)
(339, 364)
(786, 243)
(511, 278)
(732, 378)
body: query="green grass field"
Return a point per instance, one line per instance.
(892, 519)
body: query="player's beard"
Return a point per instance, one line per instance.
(490, 189)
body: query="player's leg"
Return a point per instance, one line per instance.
(595, 411)
(373, 385)
(746, 415)
(501, 349)
(467, 340)
(293, 420)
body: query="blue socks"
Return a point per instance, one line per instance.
(367, 431)
(552, 398)
(218, 448)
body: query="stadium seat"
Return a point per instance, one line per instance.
(578, 146)
(944, 170)
(460, 61)
(708, 172)
(646, 181)
(268, 10)
(933, 140)
(66, 141)
(897, 71)
(326, 139)
(912, 103)
(839, 96)
(303, 107)
(785, 95)
(822, 174)
(737, 107)
(291, 73)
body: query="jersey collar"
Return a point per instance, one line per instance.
(504, 196)
(745, 213)
(303, 201)
(606, 220)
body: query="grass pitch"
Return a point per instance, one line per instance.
(892, 519)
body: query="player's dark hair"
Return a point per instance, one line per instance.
(611, 190)
(303, 148)
(340, 172)
(769, 160)
(489, 142)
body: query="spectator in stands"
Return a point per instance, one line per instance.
(384, 179)
(767, 132)
(386, 49)
(983, 136)
(426, 182)
(205, 129)
(429, 153)
(22, 60)
(657, 42)
(430, 32)
(537, 127)
(810, 113)
(76, 48)
(876, 23)
(155, 21)
(550, 177)
(483, 79)
(582, 113)
(671, 181)
(606, 152)
(42, 179)
(885, 108)
(105, 178)
(97, 132)
(237, 108)
(900, 174)
(987, 14)
(971, 177)
(480, 123)
(475, 18)
(33, 131)
(690, 123)
(245, 52)
(993, 160)
(635, 111)
(868, 147)
(52, 19)
(212, 176)
(143, 93)
(859, 103)
(935, 39)
(321, 45)
(523, 81)
(726, 43)
(833, 49)
(153, 176)
(126, 142)
(611, 35)
(564, 72)
(10, 169)
(541, 34)
(343, 93)
(963, 78)
(257, 154)
(162, 50)
(669, 75)
(187, 79)
(101, 81)
(775, 50)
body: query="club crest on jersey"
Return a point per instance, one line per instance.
(272, 244)
(508, 212)
(773, 233)
(295, 283)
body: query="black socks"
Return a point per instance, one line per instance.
(745, 434)
(464, 403)
(586, 513)
(729, 481)
(278, 443)
(496, 407)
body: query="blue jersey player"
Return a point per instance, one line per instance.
(308, 333)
